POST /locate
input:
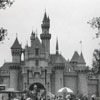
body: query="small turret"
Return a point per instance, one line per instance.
(81, 61)
(74, 59)
(32, 37)
(82, 70)
(16, 51)
(57, 47)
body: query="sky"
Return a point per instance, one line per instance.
(68, 23)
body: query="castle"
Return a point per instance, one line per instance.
(47, 71)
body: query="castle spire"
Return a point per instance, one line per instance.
(57, 47)
(75, 57)
(45, 17)
(16, 44)
(81, 59)
(45, 36)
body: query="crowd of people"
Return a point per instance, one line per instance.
(42, 95)
(33, 96)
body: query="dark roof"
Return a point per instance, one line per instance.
(7, 65)
(81, 59)
(16, 45)
(57, 58)
(75, 57)
(45, 17)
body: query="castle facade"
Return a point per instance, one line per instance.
(48, 71)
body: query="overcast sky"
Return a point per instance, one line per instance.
(68, 20)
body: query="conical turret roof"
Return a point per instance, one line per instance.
(75, 57)
(16, 45)
(81, 59)
(57, 47)
(45, 17)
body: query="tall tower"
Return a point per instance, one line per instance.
(82, 75)
(46, 36)
(16, 50)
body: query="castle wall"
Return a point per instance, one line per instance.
(31, 63)
(71, 81)
(58, 80)
(14, 79)
(6, 81)
(82, 83)
(52, 79)
(93, 87)
(16, 59)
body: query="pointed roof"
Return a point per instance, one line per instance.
(75, 57)
(81, 59)
(32, 35)
(45, 16)
(57, 47)
(48, 18)
(57, 59)
(16, 45)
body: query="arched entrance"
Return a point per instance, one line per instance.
(38, 89)
(39, 86)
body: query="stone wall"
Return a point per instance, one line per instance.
(71, 81)
(82, 83)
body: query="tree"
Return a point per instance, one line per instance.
(3, 5)
(3, 33)
(96, 61)
(95, 24)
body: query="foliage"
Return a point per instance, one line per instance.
(3, 33)
(95, 24)
(5, 3)
(96, 59)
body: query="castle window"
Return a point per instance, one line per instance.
(37, 62)
(36, 51)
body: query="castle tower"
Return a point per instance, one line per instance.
(82, 76)
(59, 66)
(46, 36)
(16, 51)
(15, 66)
(58, 69)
